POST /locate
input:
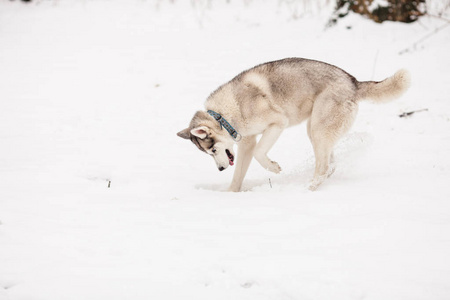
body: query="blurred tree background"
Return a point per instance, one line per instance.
(406, 11)
(377, 10)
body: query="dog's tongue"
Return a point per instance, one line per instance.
(231, 163)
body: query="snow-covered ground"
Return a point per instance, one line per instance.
(93, 93)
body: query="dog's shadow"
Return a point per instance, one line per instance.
(346, 153)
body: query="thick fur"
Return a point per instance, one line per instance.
(272, 96)
(386, 90)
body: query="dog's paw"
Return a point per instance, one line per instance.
(234, 189)
(331, 170)
(312, 187)
(274, 167)
(316, 182)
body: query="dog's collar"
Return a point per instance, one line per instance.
(223, 123)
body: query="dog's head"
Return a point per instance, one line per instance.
(207, 134)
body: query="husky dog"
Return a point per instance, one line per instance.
(272, 96)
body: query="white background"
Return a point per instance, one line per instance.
(95, 91)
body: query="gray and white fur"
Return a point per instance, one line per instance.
(273, 96)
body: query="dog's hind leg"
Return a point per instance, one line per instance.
(331, 160)
(322, 151)
(244, 156)
(329, 121)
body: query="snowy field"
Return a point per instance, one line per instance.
(92, 93)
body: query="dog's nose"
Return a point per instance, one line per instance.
(221, 168)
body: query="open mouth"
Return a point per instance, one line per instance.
(230, 157)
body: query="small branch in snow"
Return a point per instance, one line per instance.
(270, 183)
(109, 184)
(407, 114)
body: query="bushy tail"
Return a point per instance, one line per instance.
(386, 90)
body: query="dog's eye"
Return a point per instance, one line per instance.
(213, 150)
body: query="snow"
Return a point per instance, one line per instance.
(93, 92)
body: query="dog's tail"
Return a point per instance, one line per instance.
(386, 90)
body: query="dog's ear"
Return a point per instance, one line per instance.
(201, 132)
(185, 133)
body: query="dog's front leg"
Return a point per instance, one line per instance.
(268, 139)
(244, 157)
